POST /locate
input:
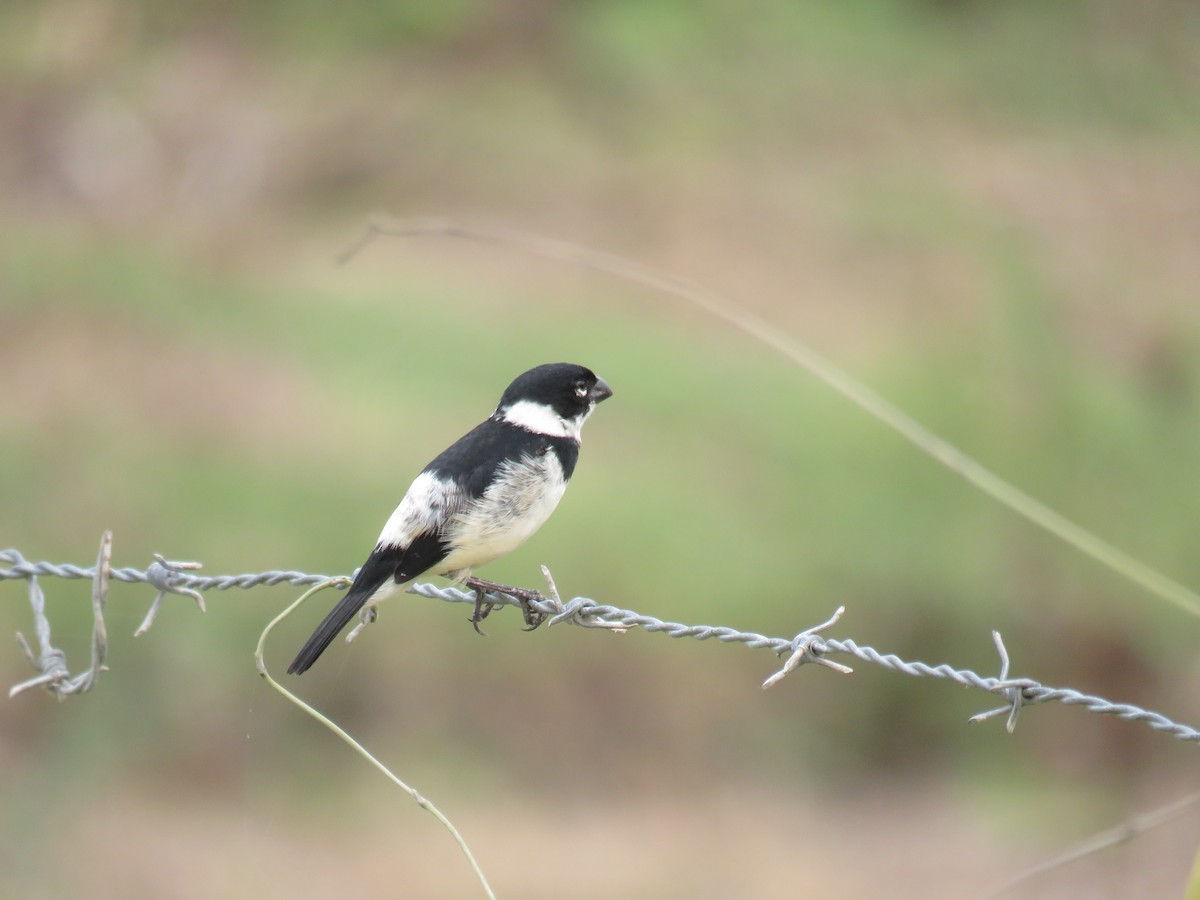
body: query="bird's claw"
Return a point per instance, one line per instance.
(533, 617)
(483, 609)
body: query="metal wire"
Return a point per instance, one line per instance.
(808, 646)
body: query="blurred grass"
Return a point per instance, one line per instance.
(985, 211)
(760, 500)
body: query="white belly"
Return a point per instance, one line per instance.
(506, 515)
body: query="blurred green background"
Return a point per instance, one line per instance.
(988, 212)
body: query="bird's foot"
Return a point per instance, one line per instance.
(525, 598)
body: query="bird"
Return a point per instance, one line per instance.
(478, 500)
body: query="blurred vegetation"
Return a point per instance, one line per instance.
(986, 211)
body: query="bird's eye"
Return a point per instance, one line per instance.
(581, 388)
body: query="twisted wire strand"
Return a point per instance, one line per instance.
(806, 647)
(22, 569)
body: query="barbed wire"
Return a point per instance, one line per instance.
(808, 646)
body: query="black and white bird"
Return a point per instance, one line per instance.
(479, 499)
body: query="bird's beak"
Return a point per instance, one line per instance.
(600, 391)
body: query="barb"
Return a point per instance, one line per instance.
(51, 662)
(163, 575)
(805, 650)
(807, 646)
(1014, 693)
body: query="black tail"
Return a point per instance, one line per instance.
(379, 567)
(329, 628)
(383, 564)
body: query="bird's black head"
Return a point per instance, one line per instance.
(554, 398)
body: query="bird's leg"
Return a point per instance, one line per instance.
(524, 596)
